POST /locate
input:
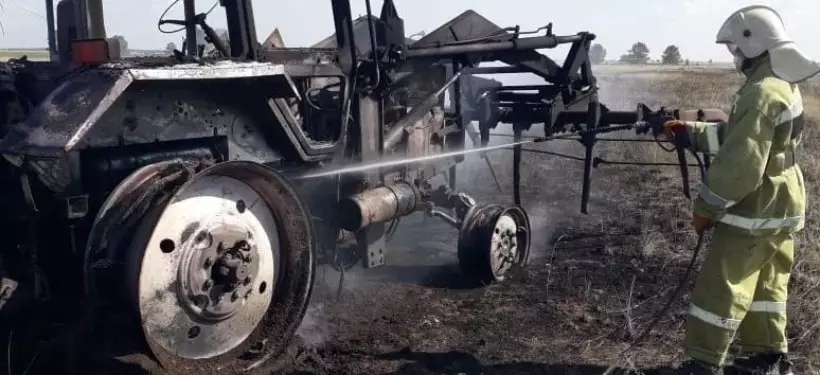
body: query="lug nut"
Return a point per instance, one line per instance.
(201, 236)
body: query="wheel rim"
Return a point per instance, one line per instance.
(493, 241)
(504, 245)
(209, 268)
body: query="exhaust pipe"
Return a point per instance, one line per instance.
(378, 205)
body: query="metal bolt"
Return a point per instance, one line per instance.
(201, 301)
(193, 332)
(207, 285)
(202, 236)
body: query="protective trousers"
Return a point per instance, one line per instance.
(741, 288)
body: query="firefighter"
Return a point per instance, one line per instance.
(754, 198)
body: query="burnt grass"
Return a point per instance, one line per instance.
(593, 283)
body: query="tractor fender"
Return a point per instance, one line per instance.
(109, 225)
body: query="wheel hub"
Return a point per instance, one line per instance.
(504, 244)
(219, 277)
(208, 270)
(493, 240)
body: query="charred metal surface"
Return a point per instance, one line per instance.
(65, 117)
(310, 56)
(400, 128)
(308, 149)
(423, 139)
(219, 70)
(371, 240)
(66, 114)
(378, 205)
(174, 112)
(66, 28)
(104, 167)
(241, 28)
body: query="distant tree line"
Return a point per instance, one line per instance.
(123, 44)
(639, 54)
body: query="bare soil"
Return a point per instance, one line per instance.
(568, 311)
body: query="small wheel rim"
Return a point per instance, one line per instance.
(504, 245)
(509, 242)
(208, 270)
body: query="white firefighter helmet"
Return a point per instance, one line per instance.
(756, 29)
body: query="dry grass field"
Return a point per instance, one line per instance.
(34, 55)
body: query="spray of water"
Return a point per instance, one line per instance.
(421, 159)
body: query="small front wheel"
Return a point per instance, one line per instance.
(493, 241)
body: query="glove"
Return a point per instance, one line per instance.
(701, 223)
(674, 128)
(656, 123)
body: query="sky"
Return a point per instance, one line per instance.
(689, 24)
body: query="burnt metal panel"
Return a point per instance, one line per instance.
(317, 56)
(361, 35)
(173, 111)
(473, 27)
(67, 114)
(64, 118)
(219, 70)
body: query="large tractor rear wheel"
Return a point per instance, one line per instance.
(219, 275)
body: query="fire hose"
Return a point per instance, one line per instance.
(680, 145)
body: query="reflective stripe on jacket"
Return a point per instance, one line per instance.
(754, 185)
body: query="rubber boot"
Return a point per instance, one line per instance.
(763, 364)
(695, 367)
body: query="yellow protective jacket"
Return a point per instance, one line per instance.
(754, 185)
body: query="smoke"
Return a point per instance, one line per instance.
(422, 251)
(313, 330)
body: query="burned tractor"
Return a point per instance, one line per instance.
(196, 193)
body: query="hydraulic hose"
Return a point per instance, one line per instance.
(683, 280)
